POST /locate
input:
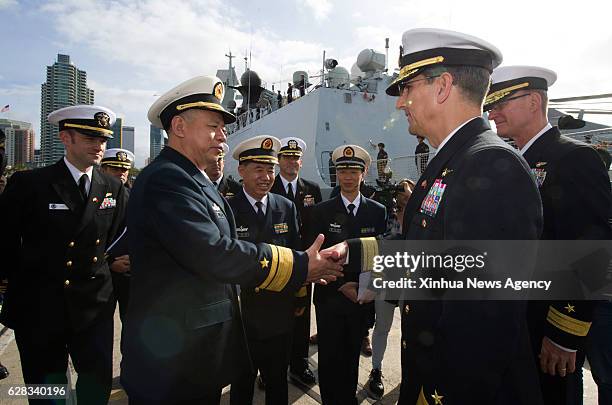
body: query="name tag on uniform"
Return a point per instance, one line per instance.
(431, 202)
(335, 228)
(281, 228)
(55, 206)
(242, 232)
(367, 230)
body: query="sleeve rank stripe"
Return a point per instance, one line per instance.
(421, 400)
(567, 323)
(369, 249)
(273, 268)
(285, 269)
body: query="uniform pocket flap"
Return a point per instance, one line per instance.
(209, 315)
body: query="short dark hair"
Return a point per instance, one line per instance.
(472, 81)
(382, 145)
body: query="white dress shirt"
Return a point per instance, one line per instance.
(252, 201)
(76, 174)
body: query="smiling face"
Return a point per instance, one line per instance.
(83, 151)
(289, 166)
(512, 115)
(257, 178)
(120, 173)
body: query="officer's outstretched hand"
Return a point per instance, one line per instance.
(321, 269)
(554, 360)
(337, 253)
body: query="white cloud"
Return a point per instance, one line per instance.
(319, 8)
(7, 3)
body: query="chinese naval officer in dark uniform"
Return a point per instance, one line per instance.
(575, 190)
(305, 194)
(340, 318)
(476, 187)
(262, 216)
(184, 338)
(117, 162)
(226, 186)
(61, 220)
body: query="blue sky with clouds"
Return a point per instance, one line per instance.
(133, 50)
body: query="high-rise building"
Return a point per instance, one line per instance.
(127, 140)
(156, 137)
(117, 140)
(19, 142)
(66, 85)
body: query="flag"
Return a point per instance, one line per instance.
(5, 108)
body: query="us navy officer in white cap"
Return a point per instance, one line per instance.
(575, 190)
(475, 188)
(61, 220)
(305, 194)
(117, 162)
(184, 335)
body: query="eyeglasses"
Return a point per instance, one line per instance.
(501, 104)
(406, 85)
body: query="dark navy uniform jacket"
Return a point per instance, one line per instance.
(184, 332)
(307, 195)
(575, 190)
(54, 248)
(228, 187)
(267, 313)
(332, 220)
(466, 351)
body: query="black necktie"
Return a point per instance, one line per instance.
(82, 187)
(351, 208)
(215, 183)
(261, 217)
(290, 192)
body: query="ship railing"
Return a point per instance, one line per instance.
(392, 170)
(247, 118)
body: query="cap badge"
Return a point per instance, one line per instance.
(267, 144)
(292, 144)
(103, 119)
(122, 156)
(218, 91)
(348, 152)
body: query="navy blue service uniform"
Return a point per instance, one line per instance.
(268, 316)
(228, 187)
(340, 321)
(464, 351)
(60, 295)
(576, 197)
(307, 195)
(184, 333)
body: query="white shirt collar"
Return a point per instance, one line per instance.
(218, 181)
(535, 138)
(293, 183)
(449, 136)
(355, 202)
(252, 201)
(76, 174)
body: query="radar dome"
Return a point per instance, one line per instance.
(337, 76)
(369, 60)
(356, 72)
(250, 79)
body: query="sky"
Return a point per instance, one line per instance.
(135, 50)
